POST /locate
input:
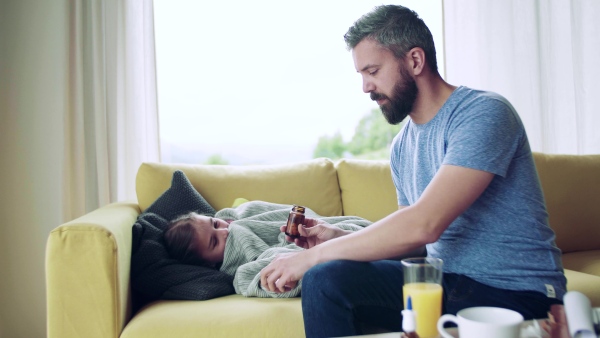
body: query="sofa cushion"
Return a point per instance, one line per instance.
(180, 198)
(310, 183)
(230, 316)
(154, 274)
(584, 283)
(583, 261)
(571, 184)
(367, 188)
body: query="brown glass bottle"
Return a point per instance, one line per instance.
(295, 219)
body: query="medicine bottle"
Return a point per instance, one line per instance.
(295, 219)
(408, 321)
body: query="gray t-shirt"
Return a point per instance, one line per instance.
(503, 240)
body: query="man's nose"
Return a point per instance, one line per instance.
(368, 86)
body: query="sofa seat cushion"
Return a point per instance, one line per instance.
(584, 283)
(311, 183)
(229, 316)
(583, 261)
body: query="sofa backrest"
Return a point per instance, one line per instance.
(310, 183)
(571, 185)
(367, 188)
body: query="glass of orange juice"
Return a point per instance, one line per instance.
(423, 283)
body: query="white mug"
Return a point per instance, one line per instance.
(488, 322)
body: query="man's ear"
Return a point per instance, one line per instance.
(416, 58)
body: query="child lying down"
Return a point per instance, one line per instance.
(241, 241)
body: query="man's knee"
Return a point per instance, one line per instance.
(330, 276)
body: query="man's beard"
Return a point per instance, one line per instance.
(401, 103)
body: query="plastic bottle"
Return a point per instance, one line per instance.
(408, 321)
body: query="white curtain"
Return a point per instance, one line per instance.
(112, 120)
(543, 56)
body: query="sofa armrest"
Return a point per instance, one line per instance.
(87, 273)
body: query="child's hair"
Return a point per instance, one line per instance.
(180, 239)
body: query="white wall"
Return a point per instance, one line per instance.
(33, 75)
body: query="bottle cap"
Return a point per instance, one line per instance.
(298, 208)
(408, 317)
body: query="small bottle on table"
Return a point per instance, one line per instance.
(408, 321)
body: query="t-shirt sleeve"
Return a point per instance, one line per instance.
(485, 136)
(395, 169)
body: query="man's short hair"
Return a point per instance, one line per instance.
(397, 28)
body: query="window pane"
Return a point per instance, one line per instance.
(258, 82)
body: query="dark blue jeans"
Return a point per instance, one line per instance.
(339, 297)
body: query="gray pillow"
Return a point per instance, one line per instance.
(154, 274)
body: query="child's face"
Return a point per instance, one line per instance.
(211, 234)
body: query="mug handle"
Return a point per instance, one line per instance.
(440, 325)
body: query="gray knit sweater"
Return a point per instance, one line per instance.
(255, 239)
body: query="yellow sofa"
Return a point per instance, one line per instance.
(88, 259)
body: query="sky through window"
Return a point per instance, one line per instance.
(259, 82)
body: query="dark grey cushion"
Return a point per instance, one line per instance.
(154, 275)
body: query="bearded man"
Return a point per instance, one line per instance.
(467, 190)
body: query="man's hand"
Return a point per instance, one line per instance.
(285, 271)
(314, 232)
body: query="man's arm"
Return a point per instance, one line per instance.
(418, 252)
(452, 190)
